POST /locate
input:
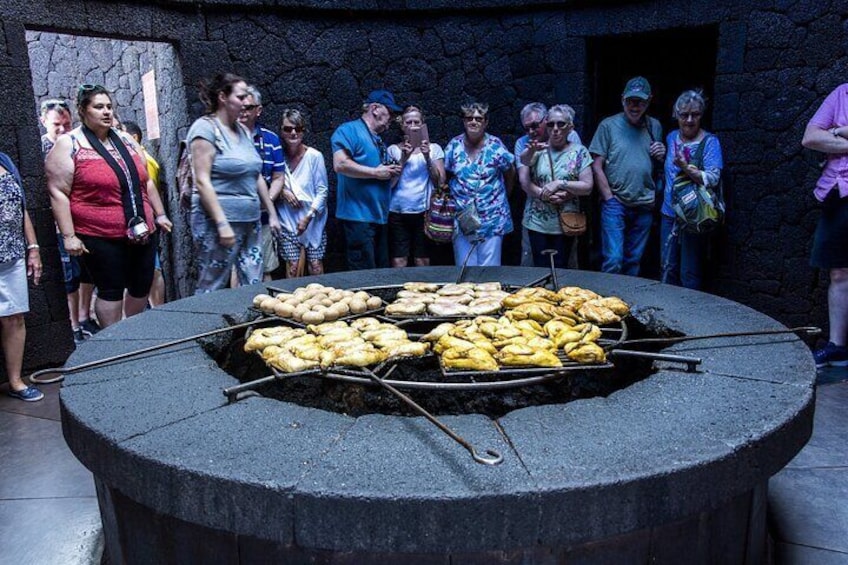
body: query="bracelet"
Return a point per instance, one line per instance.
(160, 216)
(32, 246)
(222, 224)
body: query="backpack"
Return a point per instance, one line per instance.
(438, 219)
(697, 209)
(185, 175)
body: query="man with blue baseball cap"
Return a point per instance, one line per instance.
(364, 174)
(624, 149)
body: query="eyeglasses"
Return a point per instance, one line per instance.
(250, 107)
(688, 115)
(560, 125)
(532, 126)
(480, 119)
(289, 129)
(53, 104)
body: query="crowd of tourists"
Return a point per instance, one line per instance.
(258, 198)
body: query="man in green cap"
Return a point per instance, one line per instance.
(624, 148)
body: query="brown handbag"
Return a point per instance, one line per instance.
(572, 224)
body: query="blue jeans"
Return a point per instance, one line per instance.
(367, 245)
(541, 241)
(624, 235)
(681, 255)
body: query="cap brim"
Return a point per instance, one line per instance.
(394, 107)
(637, 94)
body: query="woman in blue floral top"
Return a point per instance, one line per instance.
(19, 258)
(481, 169)
(561, 173)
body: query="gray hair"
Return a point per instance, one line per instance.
(687, 98)
(254, 92)
(533, 108)
(563, 109)
(295, 117)
(474, 107)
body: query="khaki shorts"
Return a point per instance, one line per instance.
(269, 250)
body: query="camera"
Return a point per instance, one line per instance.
(391, 162)
(137, 230)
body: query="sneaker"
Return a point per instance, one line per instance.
(79, 336)
(89, 327)
(29, 394)
(831, 355)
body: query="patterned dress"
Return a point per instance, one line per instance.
(12, 242)
(482, 182)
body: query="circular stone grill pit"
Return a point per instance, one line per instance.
(672, 468)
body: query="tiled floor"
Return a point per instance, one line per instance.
(48, 508)
(808, 499)
(49, 515)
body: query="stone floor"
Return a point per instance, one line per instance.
(49, 515)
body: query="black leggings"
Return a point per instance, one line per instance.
(114, 265)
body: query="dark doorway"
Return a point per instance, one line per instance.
(672, 60)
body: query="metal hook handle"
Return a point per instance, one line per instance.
(495, 459)
(461, 276)
(552, 253)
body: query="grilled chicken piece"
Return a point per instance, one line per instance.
(360, 358)
(541, 312)
(472, 359)
(590, 332)
(450, 342)
(557, 325)
(529, 327)
(578, 291)
(342, 347)
(616, 304)
(406, 307)
(328, 327)
(453, 290)
(420, 287)
(573, 303)
(365, 323)
(410, 296)
(488, 286)
(438, 331)
(406, 349)
(336, 337)
(263, 337)
(585, 352)
(598, 314)
(447, 309)
(289, 363)
(523, 355)
(383, 339)
(483, 306)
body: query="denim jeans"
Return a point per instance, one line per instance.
(367, 245)
(624, 235)
(681, 255)
(542, 241)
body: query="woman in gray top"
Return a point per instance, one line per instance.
(225, 207)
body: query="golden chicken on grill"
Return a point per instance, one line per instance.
(473, 359)
(592, 311)
(585, 352)
(516, 355)
(406, 307)
(578, 291)
(615, 304)
(290, 363)
(438, 331)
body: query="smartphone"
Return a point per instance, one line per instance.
(416, 136)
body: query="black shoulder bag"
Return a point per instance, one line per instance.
(137, 229)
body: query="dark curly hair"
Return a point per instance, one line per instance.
(85, 94)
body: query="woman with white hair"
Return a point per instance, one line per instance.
(560, 173)
(682, 252)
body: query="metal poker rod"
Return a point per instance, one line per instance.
(62, 371)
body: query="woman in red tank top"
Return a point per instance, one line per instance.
(106, 207)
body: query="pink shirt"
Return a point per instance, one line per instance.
(833, 113)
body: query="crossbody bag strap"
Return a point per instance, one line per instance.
(128, 177)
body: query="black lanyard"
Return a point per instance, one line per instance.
(127, 176)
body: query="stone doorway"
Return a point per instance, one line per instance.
(59, 63)
(672, 60)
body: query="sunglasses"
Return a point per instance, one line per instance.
(560, 125)
(250, 107)
(289, 129)
(53, 104)
(532, 125)
(687, 115)
(480, 119)
(87, 87)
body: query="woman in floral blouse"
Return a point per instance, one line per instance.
(561, 173)
(481, 169)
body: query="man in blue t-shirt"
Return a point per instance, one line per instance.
(364, 174)
(270, 149)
